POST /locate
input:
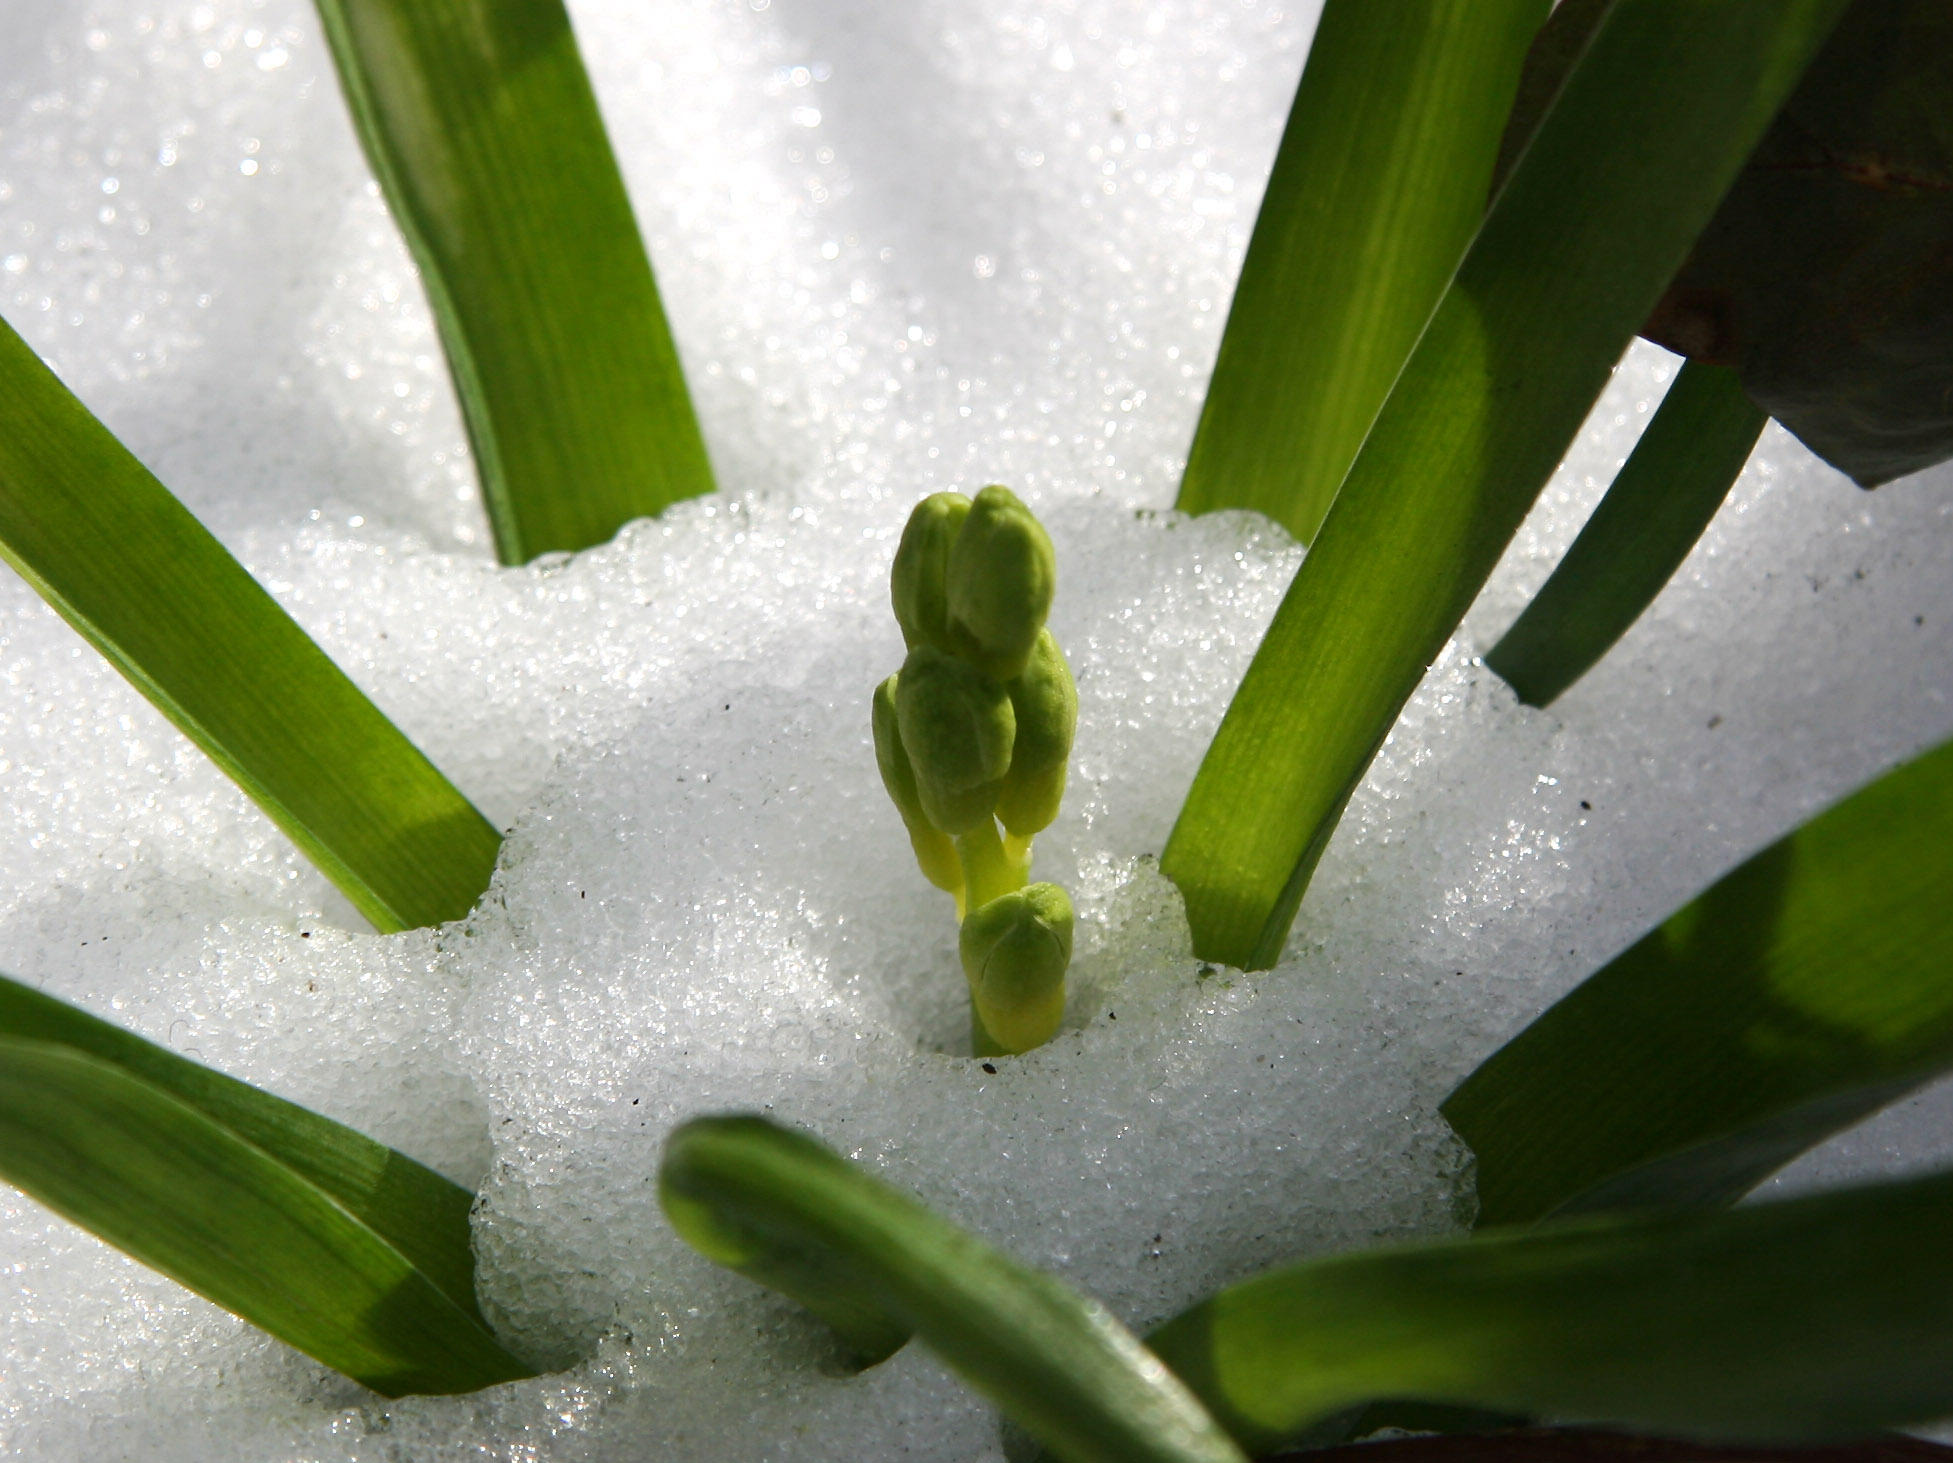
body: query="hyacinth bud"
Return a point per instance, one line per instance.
(935, 853)
(957, 727)
(1002, 572)
(1015, 950)
(918, 584)
(1046, 705)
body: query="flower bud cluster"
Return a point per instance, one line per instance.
(976, 730)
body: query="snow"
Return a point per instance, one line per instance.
(904, 249)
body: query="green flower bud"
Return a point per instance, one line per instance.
(918, 584)
(1046, 705)
(957, 727)
(1002, 572)
(934, 852)
(1015, 950)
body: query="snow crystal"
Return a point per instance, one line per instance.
(904, 249)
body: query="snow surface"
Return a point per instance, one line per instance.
(905, 248)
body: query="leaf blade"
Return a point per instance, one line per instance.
(1812, 1319)
(186, 1196)
(127, 565)
(479, 121)
(1658, 506)
(1388, 152)
(1633, 156)
(416, 1210)
(774, 1203)
(1804, 990)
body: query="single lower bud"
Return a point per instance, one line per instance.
(1015, 950)
(957, 727)
(1002, 574)
(918, 584)
(1046, 706)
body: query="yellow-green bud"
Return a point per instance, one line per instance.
(1002, 573)
(935, 853)
(918, 584)
(1015, 950)
(1046, 706)
(957, 727)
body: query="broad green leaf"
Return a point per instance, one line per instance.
(128, 566)
(1648, 129)
(412, 1208)
(478, 119)
(190, 1197)
(1379, 184)
(1817, 1318)
(791, 1213)
(1670, 487)
(1804, 990)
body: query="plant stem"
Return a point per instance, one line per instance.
(989, 869)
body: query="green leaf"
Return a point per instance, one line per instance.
(1802, 991)
(411, 1207)
(1650, 126)
(1562, 41)
(1377, 189)
(125, 563)
(1818, 1318)
(792, 1214)
(478, 119)
(345, 1249)
(1673, 482)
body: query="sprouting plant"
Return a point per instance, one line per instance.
(1435, 368)
(975, 731)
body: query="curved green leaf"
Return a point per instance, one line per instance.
(1804, 990)
(1670, 487)
(411, 1207)
(478, 119)
(1647, 131)
(793, 1214)
(1813, 1319)
(188, 1196)
(1378, 187)
(127, 565)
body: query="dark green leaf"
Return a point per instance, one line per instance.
(1826, 277)
(794, 1215)
(189, 1196)
(1804, 990)
(1650, 126)
(126, 565)
(1669, 489)
(1814, 1319)
(479, 121)
(1549, 60)
(1377, 189)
